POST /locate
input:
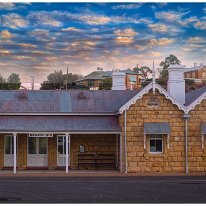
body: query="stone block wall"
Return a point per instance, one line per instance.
(140, 160)
(196, 155)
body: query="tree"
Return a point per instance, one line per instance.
(13, 78)
(13, 82)
(172, 59)
(143, 71)
(106, 84)
(58, 80)
(2, 80)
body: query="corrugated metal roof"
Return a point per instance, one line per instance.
(156, 128)
(59, 124)
(99, 75)
(194, 68)
(100, 101)
(190, 97)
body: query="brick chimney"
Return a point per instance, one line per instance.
(176, 82)
(118, 80)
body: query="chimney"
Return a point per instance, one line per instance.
(118, 80)
(176, 82)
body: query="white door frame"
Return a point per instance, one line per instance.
(36, 157)
(61, 158)
(8, 158)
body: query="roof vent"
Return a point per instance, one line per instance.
(22, 95)
(81, 95)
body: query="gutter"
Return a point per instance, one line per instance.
(56, 114)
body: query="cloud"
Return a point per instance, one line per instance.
(72, 29)
(127, 6)
(12, 6)
(200, 25)
(169, 15)
(148, 44)
(95, 19)
(196, 40)
(124, 39)
(7, 6)
(24, 58)
(125, 32)
(27, 46)
(161, 28)
(43, 18)
(125, 36)
(188, 21)
(13, 21)
(5, 34)
(4, 52)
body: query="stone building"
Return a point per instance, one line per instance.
(142, 131)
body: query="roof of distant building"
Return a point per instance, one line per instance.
(100, 75)
(194, 68)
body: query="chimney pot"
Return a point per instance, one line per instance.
(176, 82)
(118, 80)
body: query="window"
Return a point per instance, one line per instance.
(156, 143)
(193, 75)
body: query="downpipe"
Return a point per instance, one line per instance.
(186, 117)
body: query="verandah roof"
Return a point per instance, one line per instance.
(156, 128)
(59, 124)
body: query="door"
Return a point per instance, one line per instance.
(61, 151)
(8, 151)
(37, 151)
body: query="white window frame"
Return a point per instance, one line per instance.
(156, 138)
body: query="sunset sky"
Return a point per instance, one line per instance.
(38, 38)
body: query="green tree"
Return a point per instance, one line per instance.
(13, 82)
(13, 78)
(143, 71)
(2, 79)
(106, 84)
(171, 59)
(58, 80)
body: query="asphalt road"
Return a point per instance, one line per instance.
(126, 189)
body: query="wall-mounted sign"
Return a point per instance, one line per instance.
(153, 102)
(40, 135)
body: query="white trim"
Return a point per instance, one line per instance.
(196, 102)
(145, 141)
(168, 141)
(145, 91)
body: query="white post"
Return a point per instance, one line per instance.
(67, 153)
(120, 153)
(125, 139)
(14, 136)
(117, 151)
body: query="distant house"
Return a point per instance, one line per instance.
(198, 73)
(94, 79)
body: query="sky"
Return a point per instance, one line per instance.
(38, 38)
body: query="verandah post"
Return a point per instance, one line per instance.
(14, 137)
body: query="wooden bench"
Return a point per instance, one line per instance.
(96, 160)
